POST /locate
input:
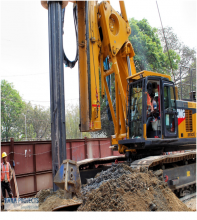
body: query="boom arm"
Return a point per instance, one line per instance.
(103, 32)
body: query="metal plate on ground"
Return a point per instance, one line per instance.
(100, 160)
(70, 207)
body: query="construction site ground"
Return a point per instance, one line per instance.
(120, 188)
(191, 203)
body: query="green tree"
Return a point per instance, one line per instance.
(41, 121)
(11, 108)
(187, 55)
(187, 60)
(72, 123)
(38, 123)
(149, 54)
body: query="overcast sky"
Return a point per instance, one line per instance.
(24, 41)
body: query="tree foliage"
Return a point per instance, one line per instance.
(38, 123)
(187, 55)
(11, 108)
(187, 60)
(22, 121)
(72, 123)
(149, 54)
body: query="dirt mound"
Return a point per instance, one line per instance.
(43, 194)
(48, 199)
(54, 201)
(122, 188)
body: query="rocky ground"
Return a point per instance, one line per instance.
(120, 188)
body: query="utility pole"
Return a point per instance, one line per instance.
(25, 127)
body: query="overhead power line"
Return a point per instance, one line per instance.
(165, 41)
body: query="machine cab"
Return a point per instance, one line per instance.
(152, 110)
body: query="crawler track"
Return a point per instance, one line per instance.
(179, 170)
(188, 197)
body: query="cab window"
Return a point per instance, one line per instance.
(169, 99)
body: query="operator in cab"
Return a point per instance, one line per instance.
(6, 176)
(152, 108)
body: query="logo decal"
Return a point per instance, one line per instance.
(181, 115)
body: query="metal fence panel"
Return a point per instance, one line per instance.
(43, 157)
(23, 157)
(33, 160)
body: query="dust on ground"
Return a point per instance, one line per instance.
(48, 199)
(122, 188)
(191, 204)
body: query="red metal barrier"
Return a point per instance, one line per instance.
(33, 160)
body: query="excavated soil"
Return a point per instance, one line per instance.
(48, 199)
(43, 194)
(122, 188)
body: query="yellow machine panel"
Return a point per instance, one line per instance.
(187, 120)
(89, 47)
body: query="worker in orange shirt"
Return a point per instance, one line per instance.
(152, 108)
(6, 176)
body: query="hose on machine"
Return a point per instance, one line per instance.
(67, 62)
